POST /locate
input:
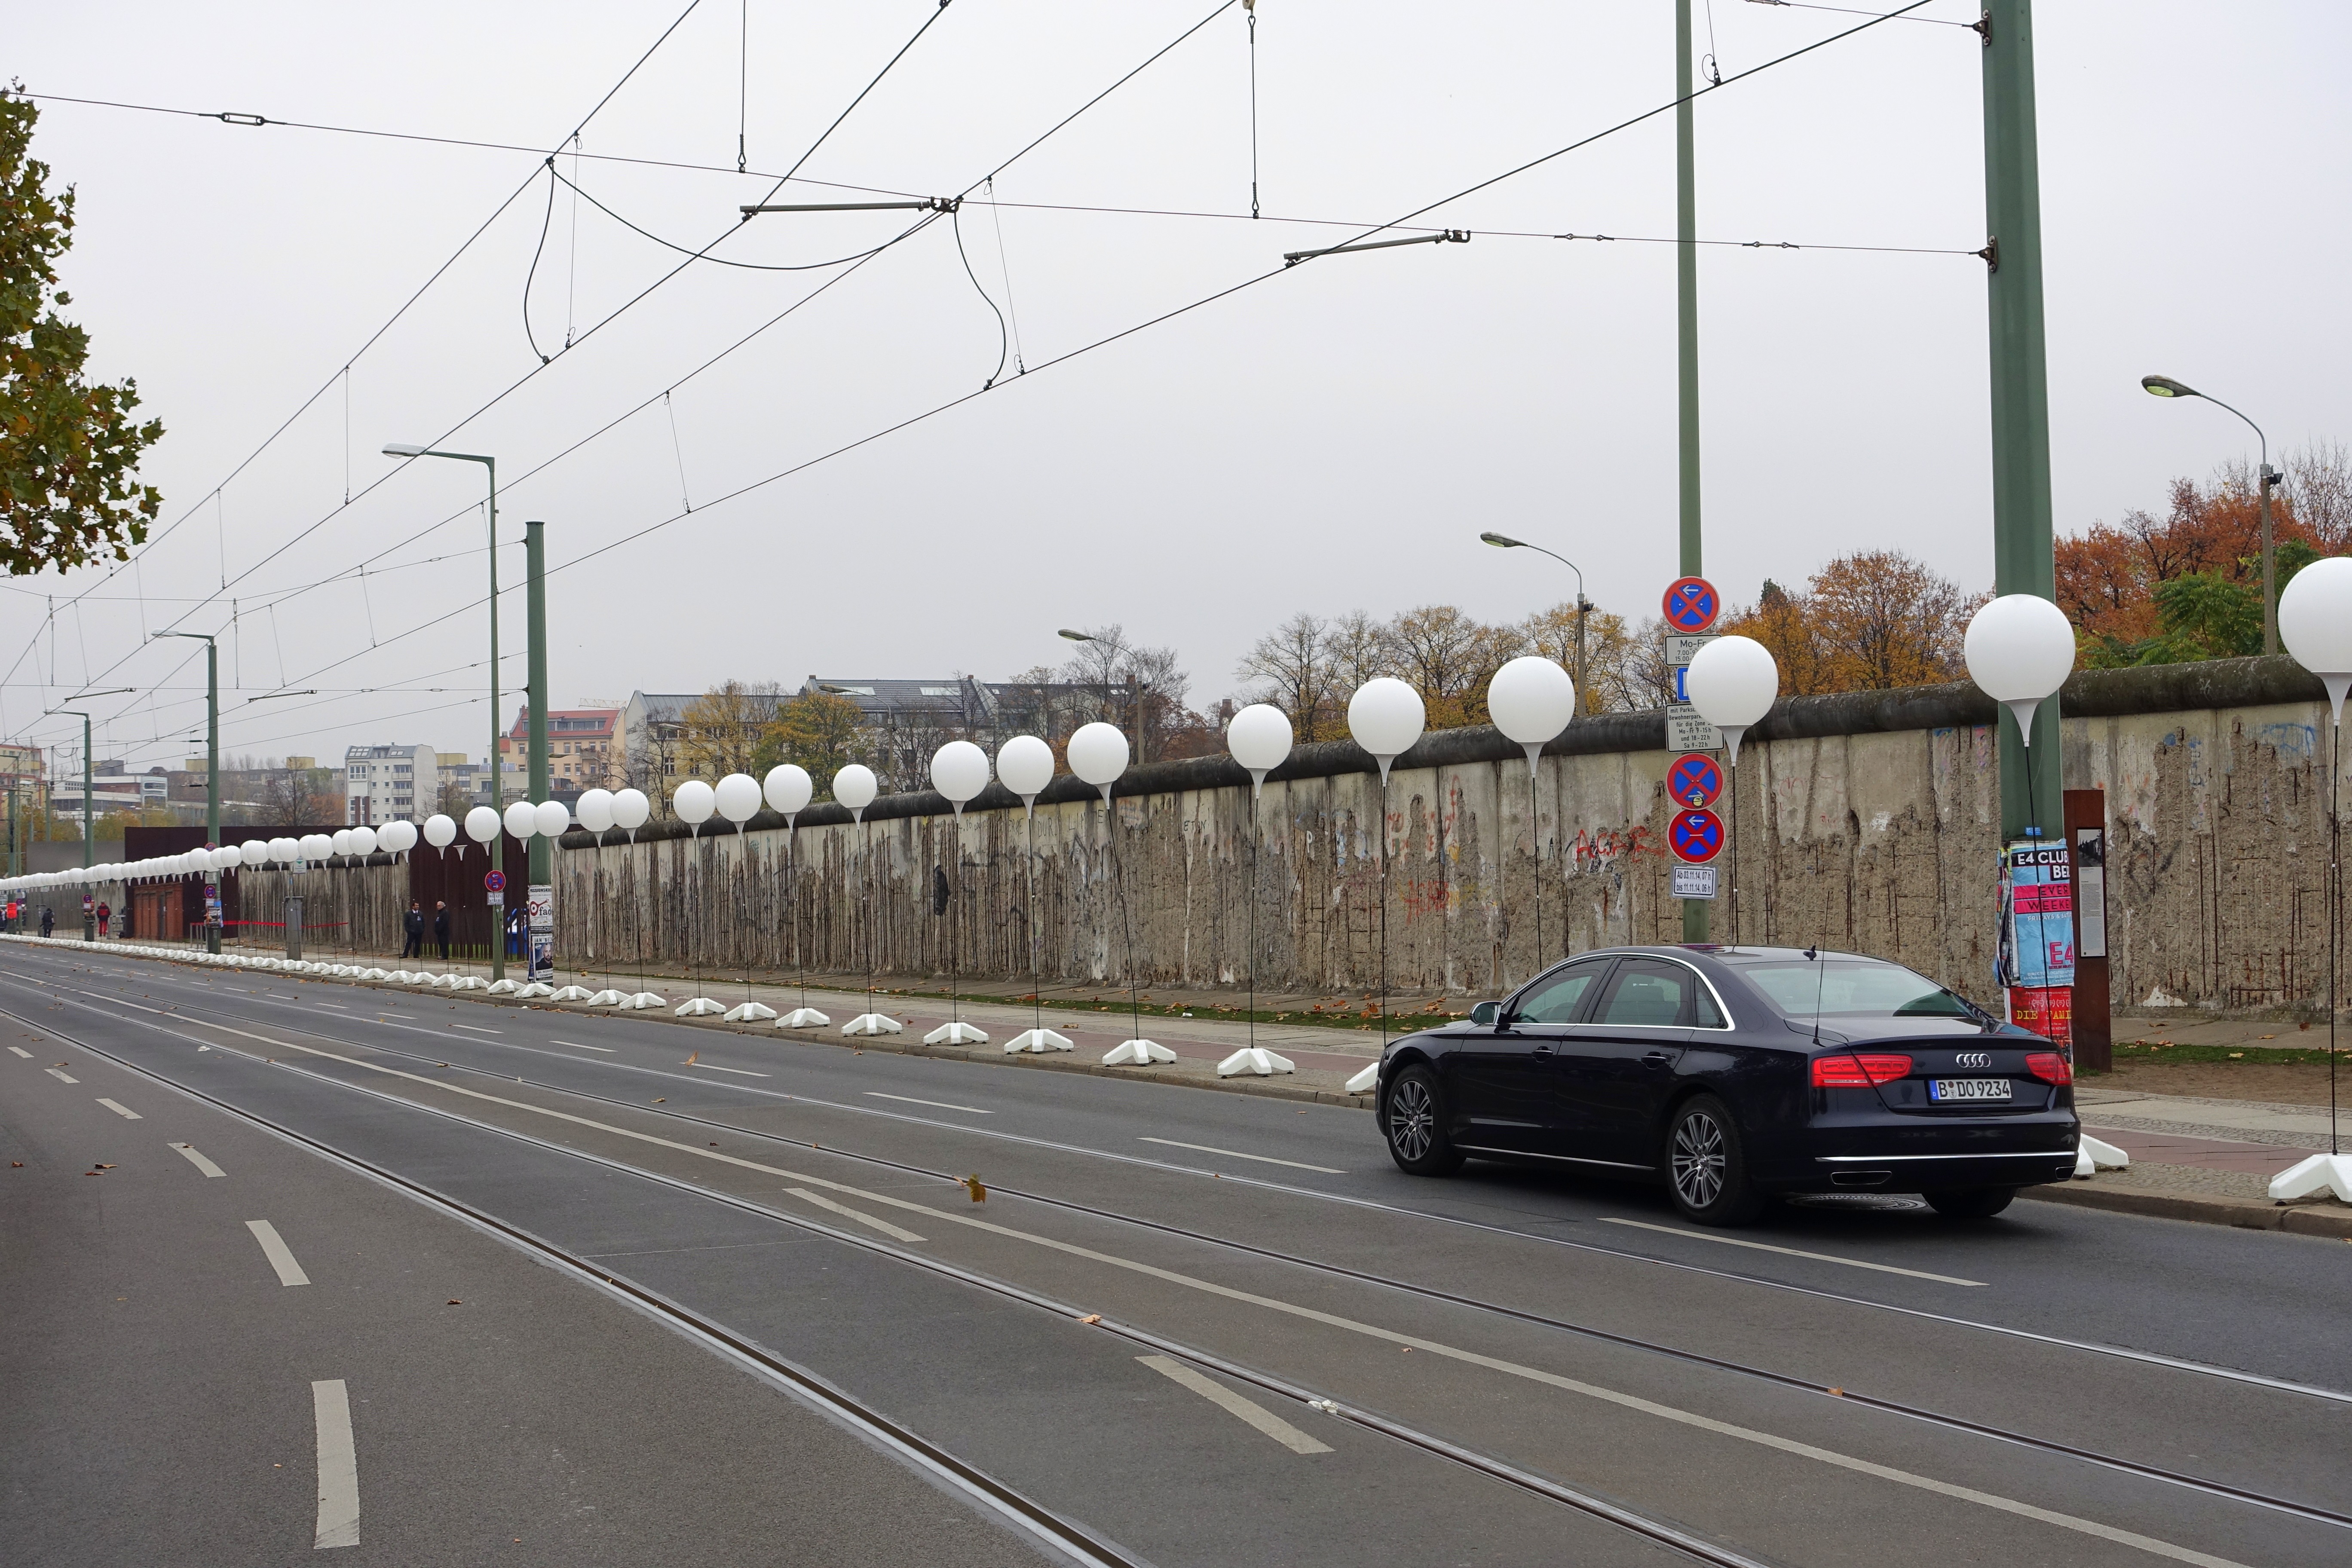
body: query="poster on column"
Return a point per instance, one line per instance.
(540, 918)
(2037, 935)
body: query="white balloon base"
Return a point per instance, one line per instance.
(608, 998)
(1137, 1054)
(1254, 1059)
(2091, 1157)
(2318, 1176)
(572, 993)
(750, 1012)
(373, 974)
(873, 1024)
(700, 1007)
(503, 987)
(1037, 1041)
(644, 999)
(537, 989)
(466, 982)
(957, 1033)
(803, 1019)
(1365, 1081)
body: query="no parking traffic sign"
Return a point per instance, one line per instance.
(496, 881)
(1696, 834)
(1691, 605)
(1696, 779)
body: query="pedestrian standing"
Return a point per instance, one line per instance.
(105, 913)
(441, 928)
(414, 922)
(49, 919)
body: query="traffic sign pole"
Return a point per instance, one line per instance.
(1691, 604)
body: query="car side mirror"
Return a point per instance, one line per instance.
(1485, 1013)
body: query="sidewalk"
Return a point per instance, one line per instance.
(2197, 1157)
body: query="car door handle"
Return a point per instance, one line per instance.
(1542, 1053)
(1658, 1058)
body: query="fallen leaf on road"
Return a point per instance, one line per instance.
(979, 1193)
(19, 1164)
(454, 1302)
(662, 1099)
(691, 1060)
(1091, 1318)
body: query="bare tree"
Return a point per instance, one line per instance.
(1358, 650)
(1292, 666)
(721, 732)
(2319, 485)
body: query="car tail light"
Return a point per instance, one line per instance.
(1859, 1071)
(2050, 1068)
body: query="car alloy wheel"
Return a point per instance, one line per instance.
(1413, 1119)
(1698, 1158)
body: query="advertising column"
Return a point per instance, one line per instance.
(2037, 937)
(542, 920)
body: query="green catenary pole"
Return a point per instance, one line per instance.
(2022, 556)
(535, 618)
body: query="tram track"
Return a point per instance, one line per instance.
(1983, 1430)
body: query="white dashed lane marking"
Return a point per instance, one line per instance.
(61, 1076)
(198, 1160)
(120, 1109)
(273, 1247)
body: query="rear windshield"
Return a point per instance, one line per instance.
(1853, 988)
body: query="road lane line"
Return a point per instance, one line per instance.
(714, 1067)
(576, 1045)
(938, 1104)
(1790, 1251)
(884, 1226)
(273, 1247)
(198, 1160)
(1237, 1154)
(1608, 1395)
(120, 1109)
(21, 1052)
(478, 1028)
(1217, 1394)
(61, 1076)
(337, 1007)
(338, 1466)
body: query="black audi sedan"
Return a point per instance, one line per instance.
(1736, 1073)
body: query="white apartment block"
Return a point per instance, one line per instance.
(388, 784)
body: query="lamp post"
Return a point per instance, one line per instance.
(1132, 683)
(211, 760)
(87, 843)
(2165, 386)
(1583, 606)
(498, 843)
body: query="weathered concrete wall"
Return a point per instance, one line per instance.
(1868, 821)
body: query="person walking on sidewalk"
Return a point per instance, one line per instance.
(49, 919)
(414, 921)
(441, 928)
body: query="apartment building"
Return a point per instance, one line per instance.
(390, 784)
(584, 752)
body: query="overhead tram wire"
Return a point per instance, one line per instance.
(405, 305)
(1104, 342)
(611, 316)
(1031, 146)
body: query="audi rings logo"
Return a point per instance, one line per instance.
(1975, 1058)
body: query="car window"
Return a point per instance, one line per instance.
(1647, 992)
(1555, 999)
(1852, 987)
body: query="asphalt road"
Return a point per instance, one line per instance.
(1184, 1327)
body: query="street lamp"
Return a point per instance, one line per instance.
(498, 844)
(2165, 386)
(1135, 685)
(212, 762)
(87, 843)
(1583, 606)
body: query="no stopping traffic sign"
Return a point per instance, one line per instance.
(1691, 605)
(1696, 836)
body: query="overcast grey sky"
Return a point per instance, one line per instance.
(1331, 437)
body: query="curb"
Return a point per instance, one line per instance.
(1267, 1088)
(2333, 1220)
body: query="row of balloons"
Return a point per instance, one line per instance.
(2019, 648)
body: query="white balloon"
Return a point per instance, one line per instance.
(1097, 753)
(631, 808)
(363, 841)
(854, 786)
(1259, 737)
(551, 820)
(694, 801)
(959, 771)
(521, 819)
(1386, 717)
(286, 851)
(737, 798)
(341, 841)
(1024, 765)
(254, 852)
(1733, 682)
(595, 810)
(2314, 625)
(1531, 699)
(440, 831)
(789, 788)
(397, 837)
(482, 825)
(2020, 650)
